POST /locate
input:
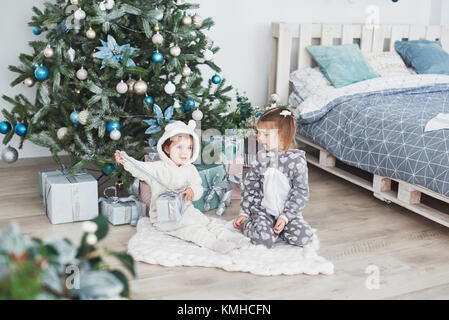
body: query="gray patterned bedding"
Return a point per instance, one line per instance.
(382, 132)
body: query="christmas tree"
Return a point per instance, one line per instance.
(111, 75)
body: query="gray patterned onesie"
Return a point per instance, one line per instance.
(276, 185)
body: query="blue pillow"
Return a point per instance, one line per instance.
(342, 65)
(424, 56)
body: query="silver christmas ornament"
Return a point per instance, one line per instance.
(175, 51)
(115, 135)
(49, 52)
(197, 20)
(79, 14)
(83, 116)
(29, 82)
(91, 34)
(61, 133)
(121, 87)
(157, 38)
(81, 74)
(169, 88)
(186, 20)
(186, 71)
(10, 155)
(140, 87)
(197, 115)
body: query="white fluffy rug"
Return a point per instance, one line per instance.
(152, 246)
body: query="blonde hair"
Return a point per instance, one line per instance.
(285, 124)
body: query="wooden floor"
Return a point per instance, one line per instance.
(355, 229)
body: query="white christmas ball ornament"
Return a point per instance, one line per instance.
(29, 82)
(61, 133)
(140, 87)
(208, 55)
(79, 14)
(10, 155)
(157, 38)
(83, 116)
(186, 20)
(81, 74)
(197, 20)
(197, 115)
(115, 135)
(74, 2)
(121, 87)
(49, 52)
(175, 51)
(170, 88)
(186, 71)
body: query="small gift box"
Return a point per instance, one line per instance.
(121, 210)
(170, 206)
(70, 197)
(217, 190)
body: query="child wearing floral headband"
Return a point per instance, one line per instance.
(276, 188)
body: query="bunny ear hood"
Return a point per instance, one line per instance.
(175, 128)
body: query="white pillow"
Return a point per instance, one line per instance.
(308, 81)
(386, 63)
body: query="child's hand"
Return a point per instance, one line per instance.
(239, 221)
(188, 194)
(119, 159)
(280, 225)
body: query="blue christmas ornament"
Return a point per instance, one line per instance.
(74, 117)
(21, 129)
(41, 73)
(149, 100)
(108, 169)
(37, 30)
(5, 127)
(185, 106)
(157, 57)
(111, 125)
(191, 102)
(216, 79)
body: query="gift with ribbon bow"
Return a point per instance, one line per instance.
(144, 188)
(118, 211)
(169, 205)
(70, 197)
(217, 191)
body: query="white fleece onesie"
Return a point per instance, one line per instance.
(194, 226)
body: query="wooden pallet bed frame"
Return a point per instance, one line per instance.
(371, 39)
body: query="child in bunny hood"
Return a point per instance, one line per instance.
(178, 148)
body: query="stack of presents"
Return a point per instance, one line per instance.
(74, 197)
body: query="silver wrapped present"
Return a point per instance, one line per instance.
(119, 211)
(170, 206)
(70, 197)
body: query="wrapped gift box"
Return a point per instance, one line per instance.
(228, 149)
(47, 173)
(217, 191)
(122, 210)
(70, 198)
(170, 206)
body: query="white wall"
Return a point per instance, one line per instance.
(242, 31)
